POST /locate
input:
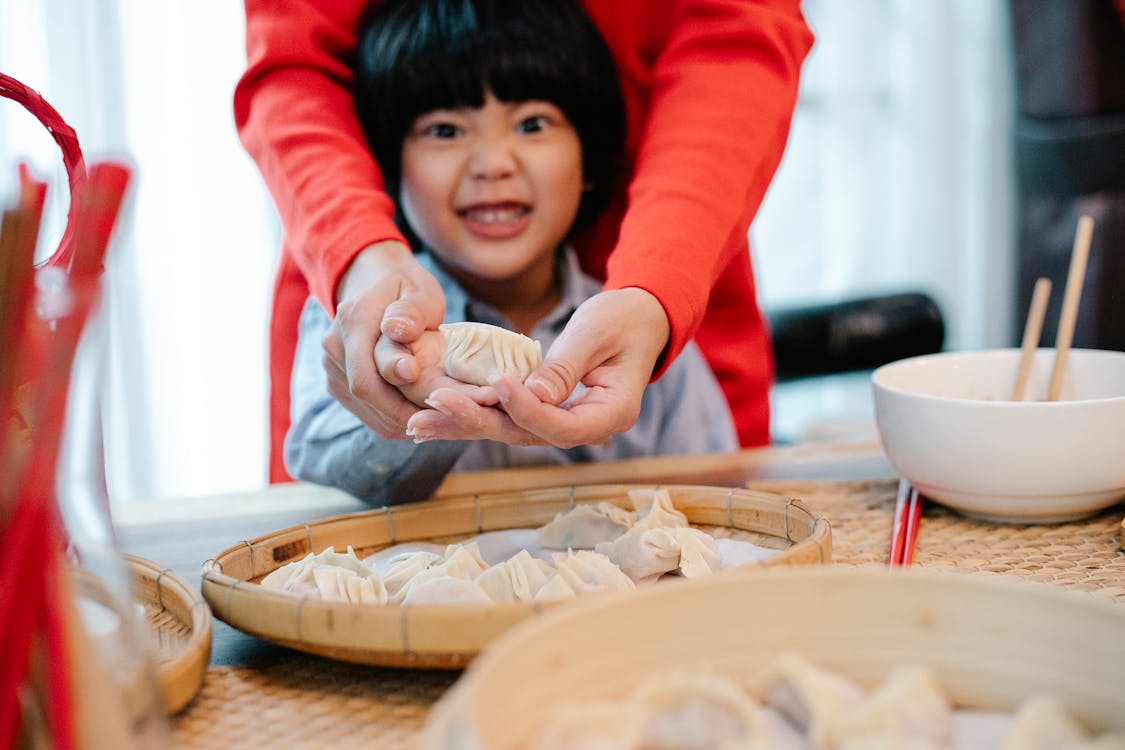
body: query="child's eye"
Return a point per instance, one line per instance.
(442, 130)
(533, 124)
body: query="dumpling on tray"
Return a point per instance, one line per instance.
(908, 710)
(655, 510)
(337, 584)
(1043, 723)
(586, 526)
(697, 710)
(297, 577)
(820, 702)
(476, 351)
(518, 579)
(460, 561)
(585, 570)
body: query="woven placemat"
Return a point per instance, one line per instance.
(1080, 555)
(303, 702)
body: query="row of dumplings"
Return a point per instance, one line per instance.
(795, 704)
(596, 547)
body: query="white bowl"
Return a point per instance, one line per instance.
(948, 426)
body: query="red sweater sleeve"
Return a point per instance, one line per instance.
(295, 116)
(724, 86)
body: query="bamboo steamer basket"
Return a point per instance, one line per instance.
(178, 620)
(449, 636)
(992, 642)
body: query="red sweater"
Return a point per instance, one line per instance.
(709, 86)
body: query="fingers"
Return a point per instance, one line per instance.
(419, 306)
(454, 415)
(590, 419)
(395, 362)
(353, 381)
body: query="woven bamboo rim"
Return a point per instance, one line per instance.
(445, 637)
(178, 619)
(181, 622)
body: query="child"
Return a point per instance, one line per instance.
(498, 125)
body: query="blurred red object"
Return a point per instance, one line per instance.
(904, 527)
(35, 369)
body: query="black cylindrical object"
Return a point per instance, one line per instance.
(857, 334)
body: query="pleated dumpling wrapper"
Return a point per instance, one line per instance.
(585, 570)
(460, 561)
(297, 577)
(586, 526)
(476, 351)
(517, 579)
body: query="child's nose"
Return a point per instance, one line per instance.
(492, 158)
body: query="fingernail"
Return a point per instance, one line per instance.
(438, 406)
(403, 369)
(395, 327)
(411, 432)
(544, 391)
(419, 439)
(502, 393)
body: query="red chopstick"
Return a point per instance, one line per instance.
(904, 528)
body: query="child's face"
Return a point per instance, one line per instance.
(494, 190)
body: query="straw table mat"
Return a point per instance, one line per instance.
(299, 701)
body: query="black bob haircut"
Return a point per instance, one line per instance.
(415, 56)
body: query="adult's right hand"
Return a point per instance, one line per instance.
(384, 293)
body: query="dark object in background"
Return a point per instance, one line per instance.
(857, 334)
(1070, 150)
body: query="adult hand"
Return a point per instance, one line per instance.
(384, 293)
(614, 362)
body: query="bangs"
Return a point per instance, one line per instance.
(449, 54)
(417, 56)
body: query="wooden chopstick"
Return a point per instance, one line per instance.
(1032, 330)
(1074, 278)
(904, 527)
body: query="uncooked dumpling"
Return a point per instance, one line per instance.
(585, 570)
(699, 555)
(586, 526)
(445, 590)
(655, 509)
(644, 554)
(820, 702)
(1043, 723)
(476, 351)
(297, 577)
(555, 589)
(460, 561)
(697, 711)
(517, 579)
(401, 568)
(337, 584)
(908, 710)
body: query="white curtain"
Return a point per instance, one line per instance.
(898, 175)
(187, 286)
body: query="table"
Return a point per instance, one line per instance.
(181, 533)
(260, 693)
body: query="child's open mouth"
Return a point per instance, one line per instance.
(495, 220)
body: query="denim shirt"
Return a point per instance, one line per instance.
(683, 413)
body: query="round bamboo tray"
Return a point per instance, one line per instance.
(447, 637)
(177, 617)
(992, 643)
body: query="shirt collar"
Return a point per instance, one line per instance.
(575, 288)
